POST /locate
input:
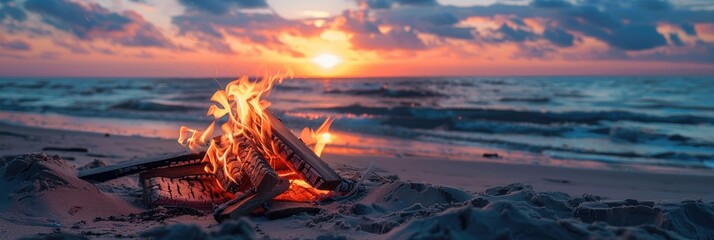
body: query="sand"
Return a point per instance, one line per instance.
(407, 197)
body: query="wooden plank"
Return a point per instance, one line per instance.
(301, 159)
(175, 172)
(107, 173)
(245, 203)
(198, 192)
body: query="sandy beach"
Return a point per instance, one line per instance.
(357, 119)
(404, 193)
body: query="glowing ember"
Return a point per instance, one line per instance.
(242, 106)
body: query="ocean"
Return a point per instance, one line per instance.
(649, 121)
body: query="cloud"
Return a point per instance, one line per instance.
(513, 34)
(222, 6)
(636, 37)
(676, 40)
(452, 32)
(550, 3)
(444, 18)
(655, 5)
(416, 2)
(568, 29)
(559, 37)
(91, 21)
(377, 4)
(73, 47)
(385, 4)
(624, 26)
(14, 45)
(8, 10)
(688, 28)
(260, 29)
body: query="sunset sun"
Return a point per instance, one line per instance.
(326, 60)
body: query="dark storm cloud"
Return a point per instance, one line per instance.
(688, 28)
(550, 3)
(378, 4)
(385, 4)
(452, 32)
(444, 18)
(10, 11)
(222, 6)
(656, 5)
(559, 37)
(92, 21)
(416, 2)
(676, 40)
(636, 37)
(513, 34)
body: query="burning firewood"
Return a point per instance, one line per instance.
(255, 160)
(247, 170)
(301, 159)
(246, 202)
(198, 192)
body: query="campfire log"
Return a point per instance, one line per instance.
(301, 159)
(175, 172)
(246, 202)
(107, 173)
(249, 169)
(199, 192)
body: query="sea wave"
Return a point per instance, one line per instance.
(140, 105)
(387, 92)
(399, 114)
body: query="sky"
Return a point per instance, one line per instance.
(355, 38)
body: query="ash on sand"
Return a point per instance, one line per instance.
(388, 208)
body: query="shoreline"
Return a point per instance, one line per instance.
(659, 183)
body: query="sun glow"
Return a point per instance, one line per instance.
(327, 60)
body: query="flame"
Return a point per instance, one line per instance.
(319, 138)
(241, 105)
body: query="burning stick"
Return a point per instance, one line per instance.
(301, 159)
(199, 192)
(247, 202)
(248, 170)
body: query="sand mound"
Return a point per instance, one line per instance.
(36, 173)
(517, 212)
(38, 189)
(389, 205)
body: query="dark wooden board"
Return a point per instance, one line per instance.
(107, 173)
(175, 172)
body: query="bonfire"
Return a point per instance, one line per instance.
(255, 164)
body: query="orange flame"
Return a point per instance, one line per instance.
(242, 106)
